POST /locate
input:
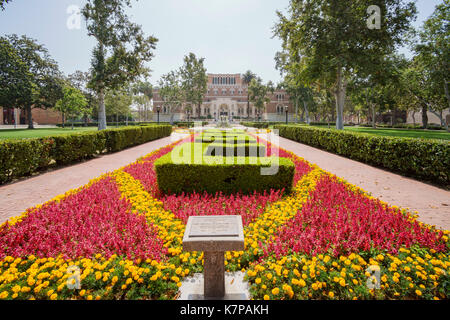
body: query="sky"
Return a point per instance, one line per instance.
(232, 35)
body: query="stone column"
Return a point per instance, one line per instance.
(214, 274)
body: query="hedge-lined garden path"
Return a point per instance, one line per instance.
(432, 203)
(15, 198)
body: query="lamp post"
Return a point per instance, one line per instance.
(158, 110)
(286, 109)
(189, 116)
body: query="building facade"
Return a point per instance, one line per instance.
(11, 116)
(227, 96)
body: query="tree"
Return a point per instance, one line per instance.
(333, 40)
(142, 95)
(80, 80)
(3, 2)
(171, 92)
(247, 78)
(121, 51)
(432, 57)
(259, 93)
(118, 103)
(72, 104)
(29, 77)
(193, 81)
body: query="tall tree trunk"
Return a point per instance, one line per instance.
(30, 118)
(63, 118)
(414, 118)
(101, 110)
(424, 116)
(340, 99)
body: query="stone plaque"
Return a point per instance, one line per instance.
(223, 226)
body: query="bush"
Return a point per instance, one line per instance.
(423, 159)
(237, 149)
(258, 125)
(20, 158)
(189, 124)
(178, 178)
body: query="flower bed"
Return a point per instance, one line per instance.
(322, 241)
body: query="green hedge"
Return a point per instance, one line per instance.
(234, 150)
(419, 158)
(19, 158)
(258, 125)
(212, 177)
(189, 124)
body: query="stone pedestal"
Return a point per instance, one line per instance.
(214, 274)
(214, 235)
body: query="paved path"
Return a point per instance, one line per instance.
(432, 203)
(17, 197)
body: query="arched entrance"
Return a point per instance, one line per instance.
(224, 110)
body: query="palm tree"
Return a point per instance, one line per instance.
(247, 78)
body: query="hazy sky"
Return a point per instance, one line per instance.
(233, 35)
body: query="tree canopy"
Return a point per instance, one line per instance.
(29, 77)
(122, 48)
(332, 41)
(193, 81)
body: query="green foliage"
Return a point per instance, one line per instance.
(122, 48)
(73, 102)
(259, 93)
(19, 158)
(236, 149)
(330, 41)
(193, 81)
(423, 159)
(3, 2)
(29, 77)
(230, 164)
(213, 177)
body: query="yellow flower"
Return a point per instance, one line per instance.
(258, 280)
(266, 297)
(418, 292)
(331, 294)
(275, 291)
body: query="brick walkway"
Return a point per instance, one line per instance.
(17, 197)
(432, 203)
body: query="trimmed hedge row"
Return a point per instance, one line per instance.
(236, 150)
(189, 124)
(178, 178)
(20, 158)
(422, 159)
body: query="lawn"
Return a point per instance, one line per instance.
(38, 133)
(404, 133)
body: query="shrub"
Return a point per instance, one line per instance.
(178, 178)
(237, 149)
(19, 158)
(418, 158)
